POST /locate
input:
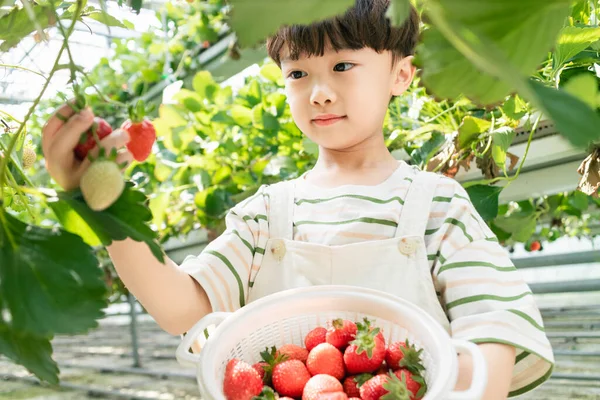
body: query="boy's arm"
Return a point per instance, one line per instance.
(500, 363)
(170, 295)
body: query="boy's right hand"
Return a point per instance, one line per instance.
(59, 140)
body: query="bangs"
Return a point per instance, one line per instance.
(363, 25)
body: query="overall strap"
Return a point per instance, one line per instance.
(281, 210)
(415, 211)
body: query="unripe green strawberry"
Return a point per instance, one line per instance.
(102, 184)
(29, 157)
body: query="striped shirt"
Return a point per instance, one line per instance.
(484, 296)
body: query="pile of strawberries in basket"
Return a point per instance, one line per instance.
(343, 362)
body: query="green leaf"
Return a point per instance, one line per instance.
(50, 282)
(515, 107)
(204, 84)
(128, 217)
(571, 41)
(572, 117)
(190, 100)
(32, 352)
(74, 223)
(485, 200)
(579, 200)
(523, 31)
(398, 11)
(272, 72)
(106, 19)
(470, 129)
(501, 141)
(211, 201)
(158, 207)
(16, 25)
(585, 88)
(521, 228)
(241, 115)
(246, 13)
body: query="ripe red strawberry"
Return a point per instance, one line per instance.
(142, 136)
(290, 377)
(536, 246)
(384, 387)
(315, 337)
(319, 385)
(293, 352)
(260, 368)
(413, 382)
(333, 396)
(353, 383)
(367, 352)
(87, 141)
(340, 333)
(404, 354)
(326, 359)
(241, 382)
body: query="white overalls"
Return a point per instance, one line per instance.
(398, 266)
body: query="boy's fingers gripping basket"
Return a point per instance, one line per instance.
(287, 317)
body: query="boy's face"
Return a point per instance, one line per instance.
(339, 100)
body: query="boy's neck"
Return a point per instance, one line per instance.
(366, 164)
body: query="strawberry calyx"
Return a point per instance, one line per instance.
(365, 338)
(411, 359)
(397, 389)
(361, 379)
(138, 112)
(272, 358)
(266, 394)
(107, 156)
(337, 323)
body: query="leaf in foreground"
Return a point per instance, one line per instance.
(128, 217)
(50, 282)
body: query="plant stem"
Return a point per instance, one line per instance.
(13, 142)
(22, 68)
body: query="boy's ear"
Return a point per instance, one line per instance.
(404, 72)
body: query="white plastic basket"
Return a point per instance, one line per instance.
(286, 317)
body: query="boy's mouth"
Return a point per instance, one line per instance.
(328, 119)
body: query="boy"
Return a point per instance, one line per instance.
(359, 217)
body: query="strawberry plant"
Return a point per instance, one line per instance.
(485, 72)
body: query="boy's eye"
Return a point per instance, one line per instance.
(341, 67)
(297, 74)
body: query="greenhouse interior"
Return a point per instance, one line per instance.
(499, 116)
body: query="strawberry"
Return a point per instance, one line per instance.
(353, 383)
(315, 337)
(326, 359)
(319, 385)
(404, 354)
(413, 382)
(29, 156)
(536, 246)
(341, 333)
(241, 382)
(260, 368)
(142, 136)
(102, 184)
(293, 352)
(87, 141)
(333, 396)
(290, 377)
(384, 387)
(270, 360)
(367, 352)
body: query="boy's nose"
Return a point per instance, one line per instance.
(322, 95)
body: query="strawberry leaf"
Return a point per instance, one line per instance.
(49, 280)
(396, 388)
(128, 217)
(33, 352)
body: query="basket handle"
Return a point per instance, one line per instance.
(183, 354)
(480, 374)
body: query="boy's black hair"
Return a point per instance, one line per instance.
(363, 25)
